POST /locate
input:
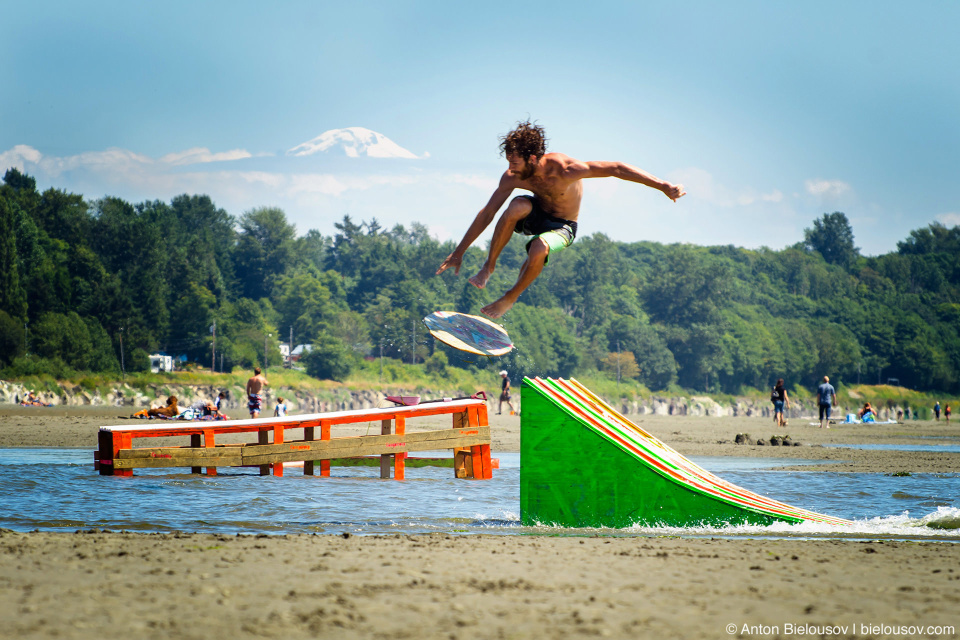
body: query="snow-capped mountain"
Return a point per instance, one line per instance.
(354, 142)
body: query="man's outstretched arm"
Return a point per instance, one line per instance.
(481, 222)
(600, 169)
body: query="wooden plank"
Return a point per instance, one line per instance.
(180, 453)
(441, 439)
(298, 422)
(368, 445)
(156, 463)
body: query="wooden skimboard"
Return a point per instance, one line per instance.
(469, 333)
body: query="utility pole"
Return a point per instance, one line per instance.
(26, 343)
(618, 368)
(290, 348)
(413, 342)
(123, 372)
(381, 361)
(213, 351)
(265, 361)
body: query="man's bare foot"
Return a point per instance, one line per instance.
(480, 280)
(497, 308)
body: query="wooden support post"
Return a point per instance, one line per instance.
(476, 456)
(196, 443)
(308, 464)
(462, 463)
(209, 443)
(105, 455)
(385, 458)
(122, 441)
(324, 435)
(278, 439)
(263, 437)
(487, 466)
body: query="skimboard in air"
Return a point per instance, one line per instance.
(469, 333)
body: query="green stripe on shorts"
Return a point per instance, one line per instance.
(556, 240)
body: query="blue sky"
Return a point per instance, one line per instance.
(771, 113)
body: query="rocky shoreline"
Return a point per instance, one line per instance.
(300, 401)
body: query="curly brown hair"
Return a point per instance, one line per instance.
(527, 139)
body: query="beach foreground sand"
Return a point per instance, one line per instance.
(133, 585)
(125, 585)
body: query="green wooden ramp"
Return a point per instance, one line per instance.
(583, 464)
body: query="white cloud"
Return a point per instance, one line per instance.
(18, 156)
(951, 219)
(700, 184)
(199, 155)
(826, 187)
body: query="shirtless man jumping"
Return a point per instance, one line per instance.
(550, 214)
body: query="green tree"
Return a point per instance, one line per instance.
(266, 248)
(329, 359)
(13, 298)
(832, 237)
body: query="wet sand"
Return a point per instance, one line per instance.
(144, 586)
(125, 585)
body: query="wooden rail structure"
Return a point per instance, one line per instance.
(469, 438)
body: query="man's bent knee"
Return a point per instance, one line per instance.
(520, 207)
(539, 250)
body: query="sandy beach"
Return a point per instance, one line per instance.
(130, 585)
(76, 427)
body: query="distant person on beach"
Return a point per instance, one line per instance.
(31, 400)
(280, 410)
(170, 410)
(505, 394)
(255, 394)
(946, 412)
(936, 410)
(867, 414)
(780, 400)
(826, 398)
(549, 215)
(900, 415)
(221, 403)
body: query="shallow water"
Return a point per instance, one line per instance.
(58, 490)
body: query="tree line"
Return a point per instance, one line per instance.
(97, 285)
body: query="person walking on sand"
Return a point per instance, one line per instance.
(255, 394)
(280, 411)
(505, 394)
(826, 398)
(549, 215)
(780, 400)
(936, 410)
(946, 413)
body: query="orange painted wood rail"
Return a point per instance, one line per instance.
(469, 438)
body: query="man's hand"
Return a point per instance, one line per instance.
(453, 260)
(674, 191)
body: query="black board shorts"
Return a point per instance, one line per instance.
(558, 233)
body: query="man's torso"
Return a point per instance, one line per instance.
(557, 191)
(255, 385)
(826, 393)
